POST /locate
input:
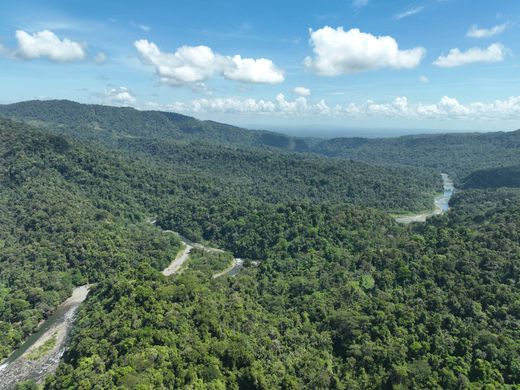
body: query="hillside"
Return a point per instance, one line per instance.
(344, 299)
(73, 212)
(456, 154)
(107, 124)
(123, 128)
(494, 178)
(343, 296)
(69, 215)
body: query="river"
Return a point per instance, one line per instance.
(441, 203)
(24, 363)
(183, 256)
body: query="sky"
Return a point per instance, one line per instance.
(446, 65)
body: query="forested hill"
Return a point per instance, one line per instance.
(107, 124)
(123, 127)
(457, 154)
(494, 177)
(73, 212)
(343, 298)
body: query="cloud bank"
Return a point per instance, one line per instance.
(400, 108)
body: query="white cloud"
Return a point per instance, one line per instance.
(250, 70)
(339, 52)
(360, 3)
(409, 12)
(479, 32)
(279, 106)
(494, 53)
(196, 64)
(119, 95)
(189, 64)
(100, 58)
(424, 79)
(45, 44)
(446, 108)
(302, 91)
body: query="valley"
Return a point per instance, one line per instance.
(22, 366)
(260, 195)
(323, 283)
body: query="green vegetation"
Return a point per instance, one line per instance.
(456, 154)
(73, 213)
(343, 297)
(27, 385)
(43, 349)
(69, 215)
(494, 178)
(209, 262)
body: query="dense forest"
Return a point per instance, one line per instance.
(334, 294)
(68, 216)
(456, 154)
(73, 213)
(345, 299)
(494, 178)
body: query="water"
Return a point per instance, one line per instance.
(239, 263)
(17, 368)
(59, 315)
(441, 202)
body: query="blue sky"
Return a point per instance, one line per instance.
(432, 64)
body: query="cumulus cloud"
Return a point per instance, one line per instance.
(250, 70)
(447, 108)
(494, 53)
(302, 91)
(424, 79)
(338, 52)
(479, 32)
(100, 58)
(45, 44)
(189, 64)
(196, 64)
(119, 95)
